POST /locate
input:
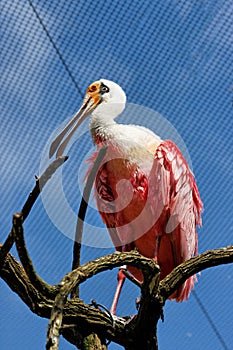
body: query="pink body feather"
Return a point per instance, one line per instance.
(156, 213)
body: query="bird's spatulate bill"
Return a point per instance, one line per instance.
(58, 146)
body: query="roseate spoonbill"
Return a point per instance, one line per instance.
(145, 192)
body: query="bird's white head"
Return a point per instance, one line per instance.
(104, 99)
(113, 98)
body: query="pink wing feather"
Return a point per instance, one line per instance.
(172, 183)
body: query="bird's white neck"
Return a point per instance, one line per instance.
(101, 127)
(102, 120)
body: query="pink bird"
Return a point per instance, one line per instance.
(145, 192)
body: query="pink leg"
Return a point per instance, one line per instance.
(120, 281)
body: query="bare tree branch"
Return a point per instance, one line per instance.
(92, 340)
(40, 183)
(81, 274)
(155, 294)
(79, 318)
(36, 281)
(82, 213)
(192, 266)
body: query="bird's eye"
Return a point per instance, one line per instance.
(103, 89)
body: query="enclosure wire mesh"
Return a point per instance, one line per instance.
(172, 56)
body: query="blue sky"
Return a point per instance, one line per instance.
(174, 57)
